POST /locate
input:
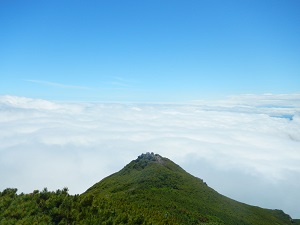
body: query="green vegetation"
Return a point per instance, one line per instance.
(149, 190)
(296, 222)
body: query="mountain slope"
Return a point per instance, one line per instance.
(150, 190)
(162, 192)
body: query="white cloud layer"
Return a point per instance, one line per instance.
(246, 147)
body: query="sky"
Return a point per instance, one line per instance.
(148, 51)
(87, 86)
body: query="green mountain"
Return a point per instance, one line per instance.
(153, 185)
(149, 190)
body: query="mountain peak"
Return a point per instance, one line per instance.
(161, 192)
(150, 157)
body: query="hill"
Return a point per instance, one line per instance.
(149, 190)
(154, 185)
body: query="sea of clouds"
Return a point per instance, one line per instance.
(246, 147)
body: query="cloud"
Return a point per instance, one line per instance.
(243, 146)
(58, 85)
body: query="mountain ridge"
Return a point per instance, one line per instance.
(151, 174)
(150, 190)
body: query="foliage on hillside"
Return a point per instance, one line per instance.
(155, 183)
(296, 222)
(61, 208)
(149, 190)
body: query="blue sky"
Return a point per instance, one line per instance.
(148, 51)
